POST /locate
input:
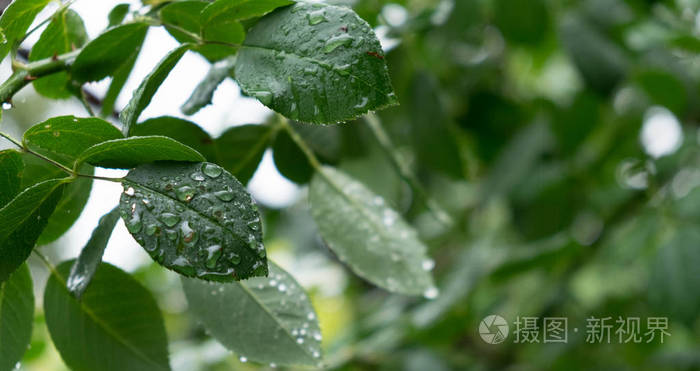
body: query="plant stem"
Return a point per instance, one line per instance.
(31, 71)
(313, 160)
(404, 170)
(66, 169)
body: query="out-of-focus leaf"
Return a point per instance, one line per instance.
(266, 319)
(16, 317)
(241, 148)
(11, 167)
(145, 92)
(204, 92)
(664, 89)
(85, 266)
(15, 22)
(239, 9)
(117, 319)
(315, 63)
(133, 151)
(522, 21)
(290, 160)
(65, 33)
(183, 131)
(23, 219)
(117, 14)
(195, 219)
(107, 53)
(370, 237)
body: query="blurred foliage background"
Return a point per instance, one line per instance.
(562, 138)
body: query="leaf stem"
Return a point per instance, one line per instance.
(404, 170)
(313, 160)
(72, 173)
(26, 73)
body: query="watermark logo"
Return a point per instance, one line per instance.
(493, 329)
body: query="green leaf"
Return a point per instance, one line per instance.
(239, 9)
(267, 319)
(241, 148)
(65, 33)
(107, 53)
(15, 21)
(85, 266)
(117, 14)
(290, 161)
(131, 152)
(195, 219)
(64, 138)
(204, 92)
(183, 131)
(674, 284)
(119, 78)
(184, 15)
(315, 63)
(11, 167)
(368, 235)
(22, 220)
(115, 326)
(16, 317)
(145, 92)
(75, 197)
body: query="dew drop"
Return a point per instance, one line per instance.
(214, 252)
(189, 236)
(151, 229)
(129, 192)
(235, 259)
(185, 193)
(282, 287)
(243, 359)
(226, 195)
(428, 264)
(317, 336)
(310, 316)
(134, 224)
(300, 340)
(316, 17)
(197, 176)
(6, 105)
(337, 41)
(169, 219)
(363, 103)
(211, 170)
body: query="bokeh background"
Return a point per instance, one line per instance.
(561, 136)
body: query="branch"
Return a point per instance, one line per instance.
(26, 73)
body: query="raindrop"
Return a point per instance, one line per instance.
(169, 219)
(310, 316)
(363, 103)
(129, 192)
(226, 195)
(147, 203)
(428, 264)
(134, 224)
(197, 176)
(300, 340)
(316, 354)
(189, 236)
(273, 365)
(235, 259)
(214, 252)
(6, 105)
(431, 293)
(185, 193)
(336, 41)
(211, 170)
(282, 287)
(343, 69)
(151, 229)
(316, 17)
(243, 359)
(317, 336)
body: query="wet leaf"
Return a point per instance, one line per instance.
(267, 319)
(145, 92)
(16, 317)
(85, 266)
(117, 319)
(195, 219)
(23, 219)
(65, 33)
(368, 235)
(107, 53)
(314, 63)
(133, 151)
(11, 167)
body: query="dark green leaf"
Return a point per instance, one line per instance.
(239, 9)
(65, 33)
(115, 326)
(195, 219)
(522, 21)
(64, 138)
(370, 237)
(15, 21)
(674, 285)
(204, 92)
(16, 317)
(267, 319)
(22, 220)
(131, 152)
(241, 148)
(185, 132)
(117, 14)
(11, 167)
(107, 53)
(315, 63)
(290, 160)
(184, 15)
(145, 92)
(85, 266)
(119, 77)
